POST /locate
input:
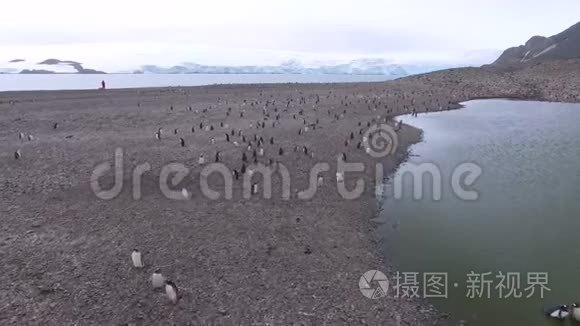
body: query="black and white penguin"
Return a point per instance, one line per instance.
(137, 259)
(236, 174)
(157, 279)
(558, 312)
(17, 154)
(254, 188)
(576, 311)
(217, 157)
(55, 125)
(281, 151)
(171, 291)
(339, 177)
(201, 160)
(30, 138)
(175, 131)
(182, 142)
(185, 193)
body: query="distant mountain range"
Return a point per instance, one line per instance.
(565, 45)
(355, 67)
(49, 66)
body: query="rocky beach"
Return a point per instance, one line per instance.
(66, 253)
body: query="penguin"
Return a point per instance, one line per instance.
(171, 291)
(217, 157)
(236, 174)
(158, 135)
(17, 155)
(271, 140)
(175, 131)
(254, 188)
(243, 169)
(576, 311)
(193, 129)
(244, 157)
(281, 151)
(30, 138)
(320, 181)
(185, 193)
(182, 142)
(20, 136)
(136, 258)
(261, 152)
(55, 125)
(228, 138)
(157, 279)
(558, 312)
(339, 177)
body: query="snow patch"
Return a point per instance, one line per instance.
(546, 50)
(525, 56)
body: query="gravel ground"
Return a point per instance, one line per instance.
(66, 254)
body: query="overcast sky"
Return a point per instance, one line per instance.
(128, 33)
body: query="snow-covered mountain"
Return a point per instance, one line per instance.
(355, 67)
(368, 66)
(565, 45)
(49, 66)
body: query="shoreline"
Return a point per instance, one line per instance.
(240, 261)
